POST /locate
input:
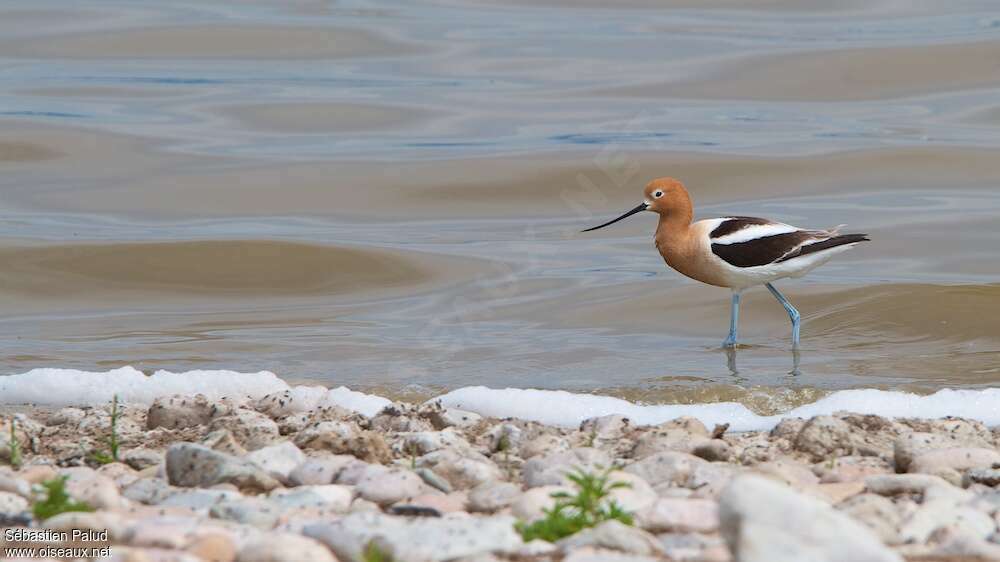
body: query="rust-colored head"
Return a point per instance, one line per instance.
(664, 196)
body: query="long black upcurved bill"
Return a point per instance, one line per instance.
(642, 207)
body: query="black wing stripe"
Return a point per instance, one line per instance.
(826, 245)
(736, 224)
(762, 251)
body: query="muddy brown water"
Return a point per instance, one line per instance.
(388, 195)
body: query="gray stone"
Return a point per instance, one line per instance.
(330, 497)
(278, 459)
(251, 429)
(223, 441)
(320, 470)
(951, 463)
(613, 535)
(531, 504)
(680, 515)
(141, 458)
(199, 499)
(985, 476)
(251, 511)
(433, 480)
(551, 469)
(12, 504)
(192, 465)
(463, 470)
(876, 512)
(150, 491)
(388, 486)
(493, 496)
(284, 547)
(673, 467)
(10, 483)
(924, 485)
(178, 412)
(417, 539)
(938, 514)
(452, 417)
(764, 521)
(96, 490)
(612, 426)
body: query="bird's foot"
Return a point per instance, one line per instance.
(730, 343)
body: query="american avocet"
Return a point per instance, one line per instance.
(735, 252)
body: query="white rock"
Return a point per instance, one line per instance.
(417, 539)
(551, 469)
(613, 535)
(951, 463)
(937, 514)
(532, 504)
(141, 458)
(278, 460)
(12, 504)
(636, 496)
(14, 485)
(878, 513)
(669, 467)
(109, 521)
(330, 496)
(493, 496)
(284, 547)
(252, 429)
(679, 515)
(611, 426)
(96, 490)
(764, 521)
(461, 470)
(320, 470)
(908, 447)
(253, 511)
(386, 487)
(453, 417)
(926, 485)
(198, 499)
(178, 412)
(193, 465)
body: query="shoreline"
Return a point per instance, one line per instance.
(277, 478)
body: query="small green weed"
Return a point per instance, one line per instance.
(110, 441)
(373, 553)
(56, 500)
(590, 506)
(14, 446)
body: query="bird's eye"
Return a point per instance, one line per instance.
(658, 194)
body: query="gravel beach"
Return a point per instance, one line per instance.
(267, 480)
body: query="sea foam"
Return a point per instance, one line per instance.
(70, 387)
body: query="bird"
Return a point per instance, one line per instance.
(735, 252)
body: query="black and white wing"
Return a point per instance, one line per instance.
(753, 242)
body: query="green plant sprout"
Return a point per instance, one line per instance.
(111, 441)
(14, 446)
(56, 500)
(588, 507)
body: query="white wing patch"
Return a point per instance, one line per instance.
(753, 232)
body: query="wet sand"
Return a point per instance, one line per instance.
(390, 197)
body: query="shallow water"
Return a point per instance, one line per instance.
(388, 195)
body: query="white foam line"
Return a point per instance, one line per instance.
(70, 387)
(563, 408)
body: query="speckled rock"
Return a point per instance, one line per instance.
(461, 470)
(176, 412)
(532, 504)
(320, 470)
(11, 504)
(251, 429)
(878, 513)
(222, 440)
(670, 467)
(193, 465)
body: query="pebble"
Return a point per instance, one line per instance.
(551, 469)
(493, 496)
(278, 460)
(192, 465)
(251, 429)
(284, 547)
(613, 535)
(386, 487)
(764, 521)
(677, 515)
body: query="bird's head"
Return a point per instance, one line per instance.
(663, 196)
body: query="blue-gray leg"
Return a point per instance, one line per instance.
(734, 320)
(792, 313)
